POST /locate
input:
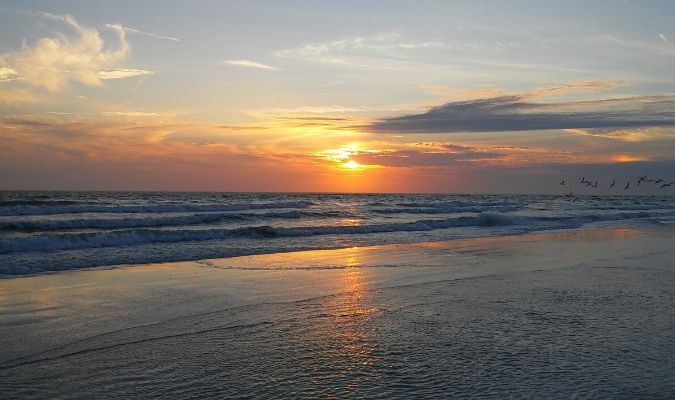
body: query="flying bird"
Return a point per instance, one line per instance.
(596, 184)
(666, 185)
(627, 186)
(658, 181)
(583, 179)
(563, 182)
(613, 183)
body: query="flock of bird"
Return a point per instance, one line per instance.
(571, 196)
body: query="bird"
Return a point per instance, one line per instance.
(588, 183)
(658, 181)
(666, 185)
(613, 183)
(583, 179)
(642, 178)
(627, 186)
(563, 182)
(596, 184)
(570, 194)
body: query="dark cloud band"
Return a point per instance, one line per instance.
(515, 113)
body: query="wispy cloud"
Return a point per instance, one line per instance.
(519, 113)
(143, 33)
(248, 64)
(664, 38)
(360, 52)
(123, 73)
(129, 113)
(14, 97)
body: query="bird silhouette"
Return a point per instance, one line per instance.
(666, 185)
(583, 179)
(641, 179)
(658, 181)
(563, 182)
(613, 183)
(627, 186)
(596, 184)
(588, 183)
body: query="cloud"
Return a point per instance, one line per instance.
(6, 73)
(129, 113)
(359, 52)
(123, 73)
(53, 62)
(578, 86)
(518, 113)
(249, 64)
(13, 97)
(148, 34)
(664, 38)
(422, 158)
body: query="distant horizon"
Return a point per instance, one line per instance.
(622, 194)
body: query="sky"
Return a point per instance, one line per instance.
(348, 96)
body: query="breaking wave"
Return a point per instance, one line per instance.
(66, 241)
(143, 208)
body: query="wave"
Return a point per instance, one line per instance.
(66, 241)
(111, 223)
(32, 202)
(133, 237)
(147, 222)
(145, 208)
(447, 209)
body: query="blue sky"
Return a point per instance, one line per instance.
(206, 95)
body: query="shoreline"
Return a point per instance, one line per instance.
(543, 234)
(343, 298)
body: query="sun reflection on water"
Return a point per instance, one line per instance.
(347, 327)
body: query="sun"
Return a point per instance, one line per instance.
(352, 165)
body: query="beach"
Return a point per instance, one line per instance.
(577, 313)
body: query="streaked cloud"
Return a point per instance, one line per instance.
(519, 113)
(123, 73)
(664, 38)
(371, 52)
(130, 113)
(148, 34)
(248, 64)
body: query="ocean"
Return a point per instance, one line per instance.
(56, 231)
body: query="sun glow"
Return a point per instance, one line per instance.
(352, 165)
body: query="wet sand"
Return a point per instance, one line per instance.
(560, 314)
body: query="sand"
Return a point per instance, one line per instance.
(585, 313)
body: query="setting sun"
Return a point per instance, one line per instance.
(352, 165)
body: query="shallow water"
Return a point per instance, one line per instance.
(576, 314)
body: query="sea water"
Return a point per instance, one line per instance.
(55, 231)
